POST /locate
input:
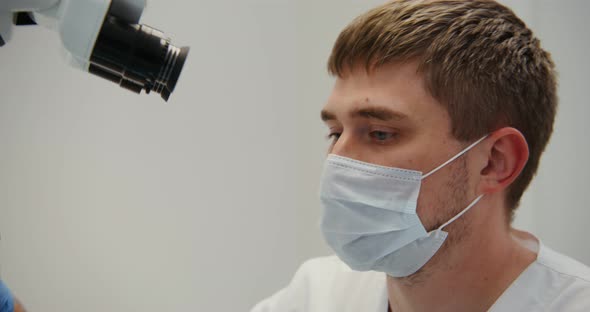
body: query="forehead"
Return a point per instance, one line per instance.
(398, 87)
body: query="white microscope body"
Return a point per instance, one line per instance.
(104, 37)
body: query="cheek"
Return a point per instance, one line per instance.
(443, 195)
(428, 202)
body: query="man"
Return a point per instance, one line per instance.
(7, 302)
(439, 115)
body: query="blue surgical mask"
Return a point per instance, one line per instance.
(369, 217)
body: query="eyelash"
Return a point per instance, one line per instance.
(333, 136)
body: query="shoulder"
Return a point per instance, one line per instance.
(322, 266)
(570, 278)
(330, 274)
(323, 284)
(563, 265)
(553, 282)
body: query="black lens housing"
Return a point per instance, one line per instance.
(137, 57)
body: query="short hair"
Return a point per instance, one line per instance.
(478, 60)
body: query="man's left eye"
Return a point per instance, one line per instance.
(381, 135)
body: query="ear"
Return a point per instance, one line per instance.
(507, 153)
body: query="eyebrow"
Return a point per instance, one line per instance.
(380, 113)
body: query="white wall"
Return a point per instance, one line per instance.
(111, 201)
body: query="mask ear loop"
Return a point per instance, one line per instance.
(459, 214)
(455, 157)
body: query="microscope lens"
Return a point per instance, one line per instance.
(137, 57)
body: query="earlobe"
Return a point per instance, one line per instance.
(506, 157)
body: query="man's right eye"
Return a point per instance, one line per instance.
(333, 136)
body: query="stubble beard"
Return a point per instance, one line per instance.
(450, 201)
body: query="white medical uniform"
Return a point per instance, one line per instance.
(553, 282)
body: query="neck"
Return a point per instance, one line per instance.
(469, 273)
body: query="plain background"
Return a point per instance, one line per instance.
(110, 201)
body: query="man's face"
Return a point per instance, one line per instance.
(388, 118)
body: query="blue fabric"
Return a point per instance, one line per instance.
(6, 299)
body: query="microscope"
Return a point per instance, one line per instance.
(103, 37)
